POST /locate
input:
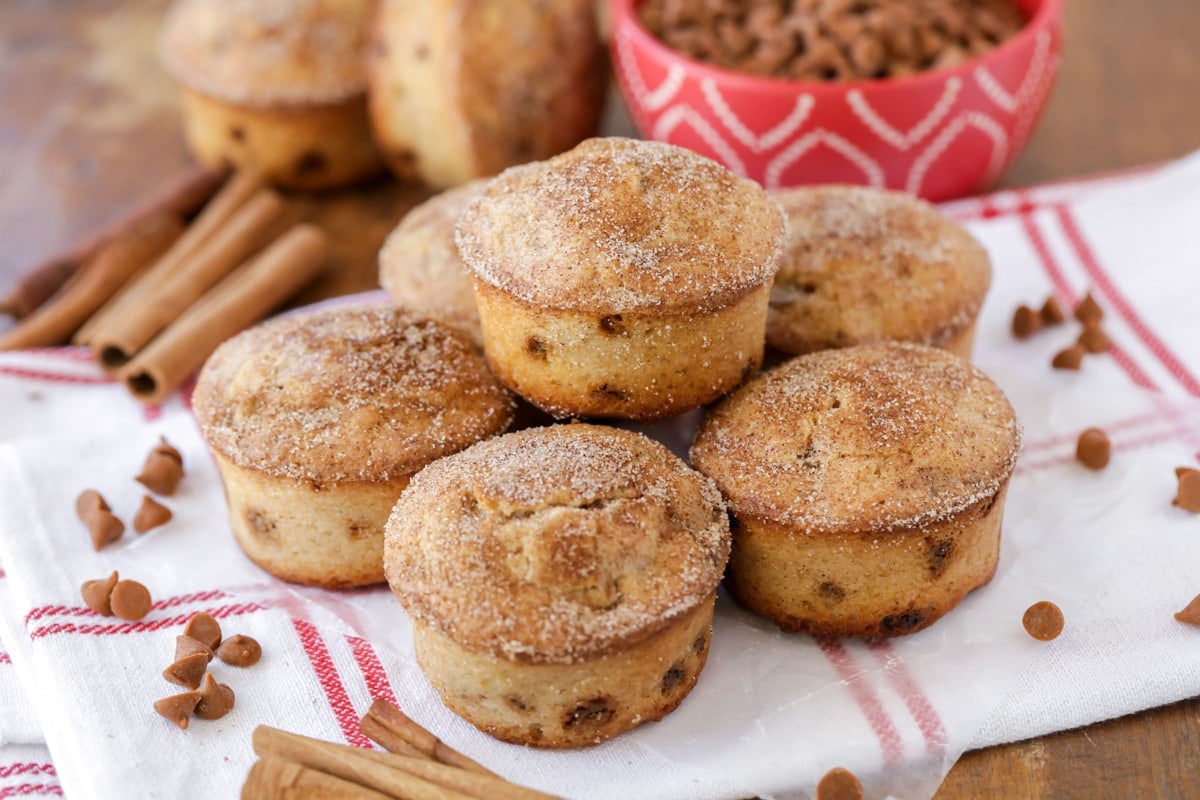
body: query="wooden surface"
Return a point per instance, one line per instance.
(88, 124)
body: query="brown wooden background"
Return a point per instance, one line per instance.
(88, 124)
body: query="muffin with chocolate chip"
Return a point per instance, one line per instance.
(560, 581)
(867, 487)
(866, 265)
(275, 86)
(317, 421)
(622, 279)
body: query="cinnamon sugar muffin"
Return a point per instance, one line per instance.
(419, 265)
(461, 89)
(560, 581)
(622, 279)
(317, 422)
(864, 265)
(275, 85)
(867, 486)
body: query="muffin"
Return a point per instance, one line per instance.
(560, 581)
(419, 265)
(867, 487)
(278, 87)
(461, 89)
(622, 279)
(318, 420)
(865, 265)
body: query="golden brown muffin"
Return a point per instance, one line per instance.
(865, 265)
(419, 265)
(560, 581)
(622, 279)
(275, 85)
(461, 89)
(867, 486)
(317, 422)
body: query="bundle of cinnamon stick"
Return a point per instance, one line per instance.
(156, 293)
(417, 766)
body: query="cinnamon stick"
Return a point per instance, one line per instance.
(232, 196)
(387, 717)
(180, 197)
(276, 779)
(242, 298)
(473, 784)
(349, 763)
(251, 227)
(115, 263)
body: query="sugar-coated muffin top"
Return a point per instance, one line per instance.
(553, 545)
(621, 225)
(358, 393)
(865, 265)
(260, 52)
(866, 438)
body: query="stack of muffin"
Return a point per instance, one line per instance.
(561, 579)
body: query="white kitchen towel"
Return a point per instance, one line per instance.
(771, 712)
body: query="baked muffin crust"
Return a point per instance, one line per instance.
(865, 265)
(268, 52)
(617, 225)
(556, 545)
(347, 394)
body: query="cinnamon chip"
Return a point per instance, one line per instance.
(186, 646)
(839, 784)
(151, 515)
(96, 514)
(216, 699)
(130, 600)
(187, 671)
(178, 707)
(1071, 358)
(1043, 621)
(1191, 612)
(205, 629)
(96, 594)
(1094, 339)
(240, 651)
(1187, 496)
(163, 469)
(1088, 311)
(1093, 449)
(1052, 313)
(1025, 322)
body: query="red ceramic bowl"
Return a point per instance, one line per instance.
(939, 134)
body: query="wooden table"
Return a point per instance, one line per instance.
(101, 134)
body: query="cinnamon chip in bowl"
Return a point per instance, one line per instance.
(1043, 621)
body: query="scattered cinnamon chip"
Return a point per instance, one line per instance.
(130, 600)
(187, 671)
(178, 707)
(151, 515)
(1052, 313)
(1043, 621)
(163, 469)
(89, 502)
(1187, 496)
(1094, 339)
(186, 646)
(204, 628)
(1071, 358)
(1088, 311)
(839, 784)
(104, 526)
(240, 651)
(216, 699)
(1093, 449)
(96, 594)
(1025, 322)
(1191, 612)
